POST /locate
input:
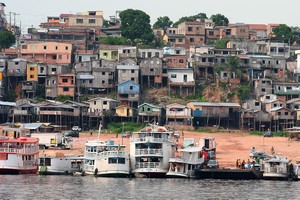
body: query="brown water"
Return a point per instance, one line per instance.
(71, 187)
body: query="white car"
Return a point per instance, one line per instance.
(76, 128)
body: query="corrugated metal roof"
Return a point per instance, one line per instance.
(276, 108)
(128, 67)
(6, 103)
(216, 104)
(32, 126)
(85, 77)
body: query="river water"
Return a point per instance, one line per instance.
(76, 187)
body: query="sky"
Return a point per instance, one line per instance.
(33, 12)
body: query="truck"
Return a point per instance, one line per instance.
(47, 140)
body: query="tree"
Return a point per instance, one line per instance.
(163, 23)
(6, 39)
(284, 33)
(190, 18)
(221, 44)
(135, 24)
(220, 20)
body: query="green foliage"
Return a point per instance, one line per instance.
(244, 92)
(128, 127)
(190, 19)
(63, 98)
(114, 40)
(136, 25)
(220, 20)
(6, 39)
(9, 96)
(255, 133)
(221, 43)
(284, 33)
(163, 23)
(280, 134)
(40, 91)
(210, 42)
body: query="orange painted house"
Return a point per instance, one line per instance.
(32, 72)
(47, 52)
(66, 84)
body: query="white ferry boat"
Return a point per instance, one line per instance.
(296, 168)
(19, 156)
(185, 166)
(52, 165)
(151, 150)
(276, 168)
(105, 159)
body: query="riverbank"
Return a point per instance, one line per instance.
(230, 146)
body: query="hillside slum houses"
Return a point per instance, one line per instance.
(64, 57)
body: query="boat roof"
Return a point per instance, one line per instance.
(278, 159)
(191, 149)
(21, 140)
(103, 144)
(151, 128)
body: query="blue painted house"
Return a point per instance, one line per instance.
(129, 93)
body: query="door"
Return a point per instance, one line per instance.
(185, 78)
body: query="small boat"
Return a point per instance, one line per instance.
(19, 156)
(66, 165)
(276, 168)
(105, 159)
(151, 150)
(185, 166)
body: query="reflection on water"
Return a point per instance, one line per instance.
(71, 187)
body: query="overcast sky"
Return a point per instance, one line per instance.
(32, 12)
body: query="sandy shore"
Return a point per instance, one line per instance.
(230, 146)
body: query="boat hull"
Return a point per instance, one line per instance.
(18, 171)
(231, 174)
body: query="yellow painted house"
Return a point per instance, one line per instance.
(32, 72)
(124, 111)
(111, 55)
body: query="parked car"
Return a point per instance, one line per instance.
(72, 134)
(268, 134)
(213, 164)
(126, 134)
(76, 128)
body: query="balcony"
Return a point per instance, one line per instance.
(148, 165)
(152, 152)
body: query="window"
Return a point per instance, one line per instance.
(149, 55)
(59, 57)
(104, 102)
(257, 103)
(24, 46)
(180, 40)
(192, 40)
(56, 47)
(173, 75)
(190, 28)
(157, 54)
(210, 33)
(105, 54)
(95, 102)
(149, 109)
(79, 21)
(151, 70)
(44, 47)
(103, 82)
(263, 89)
(91, 81)
(286, 113)
(180, 60)
(92, 21)
(268, 97)
(132, 71)
(53, 69)
(65, 89)
(279, 113)
(31, 68)
(131, 87)
(54, 57)
(132, 79)
(103, 73)
(275, 105)
(31, 76)
(33, 47)
(66, 48)
(42, 69)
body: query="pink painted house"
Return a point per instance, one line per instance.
(47, 52)
(66, 84)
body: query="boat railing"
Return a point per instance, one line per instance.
(148, 139)
(20, 151)
(28, 163)
(182, 160)
(106, 154)
(148, 165)
(275, 170)
(90, 154)
(88, 168)
(148, 152)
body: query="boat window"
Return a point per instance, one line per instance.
(116, 161)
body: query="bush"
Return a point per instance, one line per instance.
(256, 133)
(128, 127)
(280, 134)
